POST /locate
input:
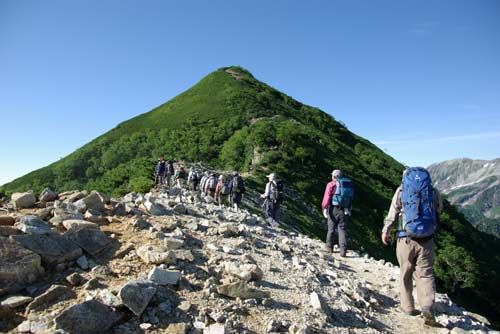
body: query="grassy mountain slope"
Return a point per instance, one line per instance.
(230, 120)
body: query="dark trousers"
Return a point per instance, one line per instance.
(337, 220)
(271, 211)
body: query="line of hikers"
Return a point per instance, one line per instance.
(414, 209)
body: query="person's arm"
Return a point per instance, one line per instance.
(392, 216)
(266, 192)
(327, 198)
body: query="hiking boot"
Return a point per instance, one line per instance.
(429, 319)
(343, 253)
(328, 249)
(411, 313)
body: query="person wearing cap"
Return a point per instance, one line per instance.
(237, 189)
(270, 204)
(337, 216)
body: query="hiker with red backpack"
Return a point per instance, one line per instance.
(415, 207)
(337, 205)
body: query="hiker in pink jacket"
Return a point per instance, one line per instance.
(336, 208)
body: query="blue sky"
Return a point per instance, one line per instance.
(419, 79)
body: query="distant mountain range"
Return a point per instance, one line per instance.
(473, 185)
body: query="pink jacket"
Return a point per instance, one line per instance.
(327, 197)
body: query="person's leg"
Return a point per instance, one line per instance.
(424, 275)
(330, 231)
(406, 258)
(341, 222)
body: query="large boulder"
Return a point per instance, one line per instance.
(92, 201)
(90, 317)
(53, 248)
(23, 200)
(91, 240)
(19, 266)
(33, 225)
(136, 295)
(47, 195)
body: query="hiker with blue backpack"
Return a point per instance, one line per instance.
(415, 208)
(337, 205)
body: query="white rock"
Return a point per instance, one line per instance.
(317, 302)
(164, 277)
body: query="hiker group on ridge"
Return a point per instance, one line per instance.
(414, 209)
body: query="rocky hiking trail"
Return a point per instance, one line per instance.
(174, 262)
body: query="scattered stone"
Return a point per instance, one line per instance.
(215, 329)
(107, 298)
(33, 225)
(7, 231)
(75, 196)
(92, 201)
(82, 262)
(53, 248)
(245, 272)
(164, 277)
(91, 240)
(154, 209)
(79, 224)
(6, 220)
(173, 243)
(119, 209)
(317, 302)
(178, 328)
(136, 295)
(49, 296)
(90, 317)
(180, 208)
(19, 266)
(145, 326)
(184, 255)
(45, 213)
(15, 301)
(23, 200)
(242, 290)
(47, 195)
(95, 217)
(75, 279)
(141, 224)
(156, 255)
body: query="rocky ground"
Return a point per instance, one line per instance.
(173, 262)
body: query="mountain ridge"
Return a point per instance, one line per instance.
(214, 122)
(474, 186)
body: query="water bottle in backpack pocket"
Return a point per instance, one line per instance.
(417, 196)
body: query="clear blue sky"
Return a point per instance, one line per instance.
(421, 79)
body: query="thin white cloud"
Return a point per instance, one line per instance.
(424, 28)
(475, 136)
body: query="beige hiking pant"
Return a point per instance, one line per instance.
(416, 259)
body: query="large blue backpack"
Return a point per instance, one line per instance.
(344, 193)
(417, 196)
